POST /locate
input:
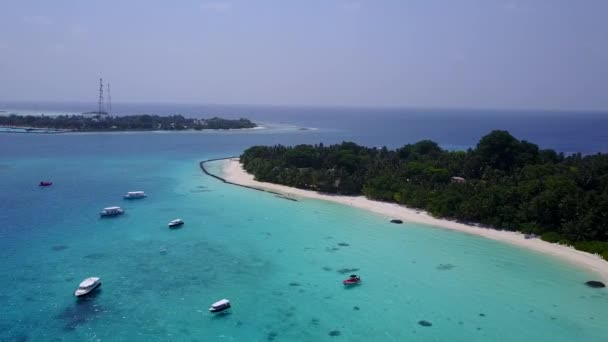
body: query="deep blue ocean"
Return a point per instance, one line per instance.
(568, 132)
(280, 262)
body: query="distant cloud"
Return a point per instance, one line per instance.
(216, 6)
(37, 20)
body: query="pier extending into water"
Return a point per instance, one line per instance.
(202, 165)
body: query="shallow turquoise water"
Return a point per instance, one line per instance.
(280, 262)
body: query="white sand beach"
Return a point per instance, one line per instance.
(234, 172)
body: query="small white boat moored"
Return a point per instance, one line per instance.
(111, 211)
(220, 306)
(176, 223)
(134, 195)
(87, 286)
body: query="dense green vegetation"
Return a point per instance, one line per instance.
(122, 123)
(505, 183)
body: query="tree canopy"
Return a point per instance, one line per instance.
(503, 182)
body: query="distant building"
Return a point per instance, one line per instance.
(458, 180)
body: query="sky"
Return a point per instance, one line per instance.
(501, 54)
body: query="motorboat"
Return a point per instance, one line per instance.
(134, 195)
(87, 286)
(111, 211)
(45, 183)
(352, 280)
(176, 223)
(220, 306)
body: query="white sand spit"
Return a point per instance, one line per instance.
(234, 172)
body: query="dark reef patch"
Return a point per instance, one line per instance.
(82, 311)
(325, 268)
(58, 248)
(347, 270)
(21, 337)
(95, 256)
(445, 267)
(482, 315)
(293, 283)
(343, 244)
(425, 323)
(595, 284)
(334, 333)
(396, 221)
(356, 308)
(271, 336)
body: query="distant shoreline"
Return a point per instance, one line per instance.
(106, 123)
(37, 130)
(233, 172)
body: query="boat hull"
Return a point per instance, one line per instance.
(80, 294)
(221, 309)
(176, 225)
(351, 282)
(110, 215)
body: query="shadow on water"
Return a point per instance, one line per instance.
(221, 315)
(83, 310)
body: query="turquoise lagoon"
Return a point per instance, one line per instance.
(280, 262)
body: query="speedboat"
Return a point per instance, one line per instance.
(220, 306)
(352, 280)
(44, 183)
(87, 286)
(134, 195)
(176, 223)
(112, 211)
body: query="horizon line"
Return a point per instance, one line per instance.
(384, 107)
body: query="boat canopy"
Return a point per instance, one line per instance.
(89, 282)
(135, 193)
(111, 208)
(220, 303)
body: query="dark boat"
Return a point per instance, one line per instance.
(43, 183)
(352, 280)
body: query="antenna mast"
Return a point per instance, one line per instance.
(100, 109)
(109, 104)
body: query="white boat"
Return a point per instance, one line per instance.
(112, 211)
(220, 306)
(134, 195)
(176, 223)
(87, 286)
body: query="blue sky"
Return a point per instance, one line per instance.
(533, 54)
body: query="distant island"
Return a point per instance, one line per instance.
(103, 123)
(503, 183)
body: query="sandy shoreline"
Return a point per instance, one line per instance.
(234, 172)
